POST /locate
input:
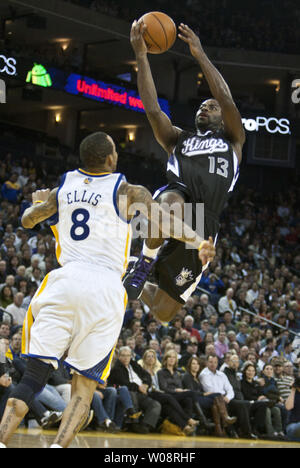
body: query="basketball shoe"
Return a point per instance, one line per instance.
(136, 276)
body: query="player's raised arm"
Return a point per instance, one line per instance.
(219, 89)
(137, 197)
(165, 133)
(44, 206)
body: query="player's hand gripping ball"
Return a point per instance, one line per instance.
(159, 32)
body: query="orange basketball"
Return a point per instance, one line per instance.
(161, 32)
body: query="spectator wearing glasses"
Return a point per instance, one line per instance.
(288, 369)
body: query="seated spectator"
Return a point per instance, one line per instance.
(29, 270)
(3, 271)
(140, 345)
(6, 296)
(127, 372)
(32, 288)
(170, 408)
(227, 303)
(135, 327)
(152, 331)
(175, 328)
(170, 381)
(60, 379)
(292, 404)
(252, 294)
(221, 345)
(150, 363)
(154, 344)
(43, 416)
(16, 309)
(40, 255)
(243, 334)
(214, 381)
(213, 323)
(208, 309)
(270, 347)
(188, 323)
(271, 391)
(252, 357)
(255, 335)
(183, 339)
(204, 327)
(191, 351)
(231, 337)
(288, 369)
(228, 321)
(264, 358)
(211, 403)
(10, 282)
(11, 189)
(4, 330)
(104, 406)
(133, 306)
(15, 346)
(284, 382)
(130, 341)
(198, 316)
(240, 407)
(226, 359)
(49, 396)
(287, 352)
(210, 349)
(253, 391)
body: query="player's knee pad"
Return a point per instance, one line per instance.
(35, 377)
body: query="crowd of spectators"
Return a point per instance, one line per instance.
(225, 365)
(259, 25)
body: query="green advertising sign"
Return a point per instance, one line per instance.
(39, 76)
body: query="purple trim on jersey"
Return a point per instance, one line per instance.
(159, 191)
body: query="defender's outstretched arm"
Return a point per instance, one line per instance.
(139, 198)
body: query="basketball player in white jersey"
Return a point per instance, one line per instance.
(77, 313)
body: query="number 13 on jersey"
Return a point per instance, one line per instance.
(218, 166)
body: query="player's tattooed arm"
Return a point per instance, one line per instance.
(133, 198)
(219, 88)
(44, 206)
(164, 131)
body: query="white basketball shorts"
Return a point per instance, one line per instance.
(78, 310)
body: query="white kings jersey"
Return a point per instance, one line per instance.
(88, 228)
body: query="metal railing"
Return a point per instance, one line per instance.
(247, 311)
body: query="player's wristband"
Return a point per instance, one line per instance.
(37, 202)
(201, 245)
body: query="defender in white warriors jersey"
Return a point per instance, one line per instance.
(78, 310)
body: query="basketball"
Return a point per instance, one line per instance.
(161, 31)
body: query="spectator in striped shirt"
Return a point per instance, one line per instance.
(284, 382)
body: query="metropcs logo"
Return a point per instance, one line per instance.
(8, 65)
(270, 124)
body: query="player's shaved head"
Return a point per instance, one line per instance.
(95, 148)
